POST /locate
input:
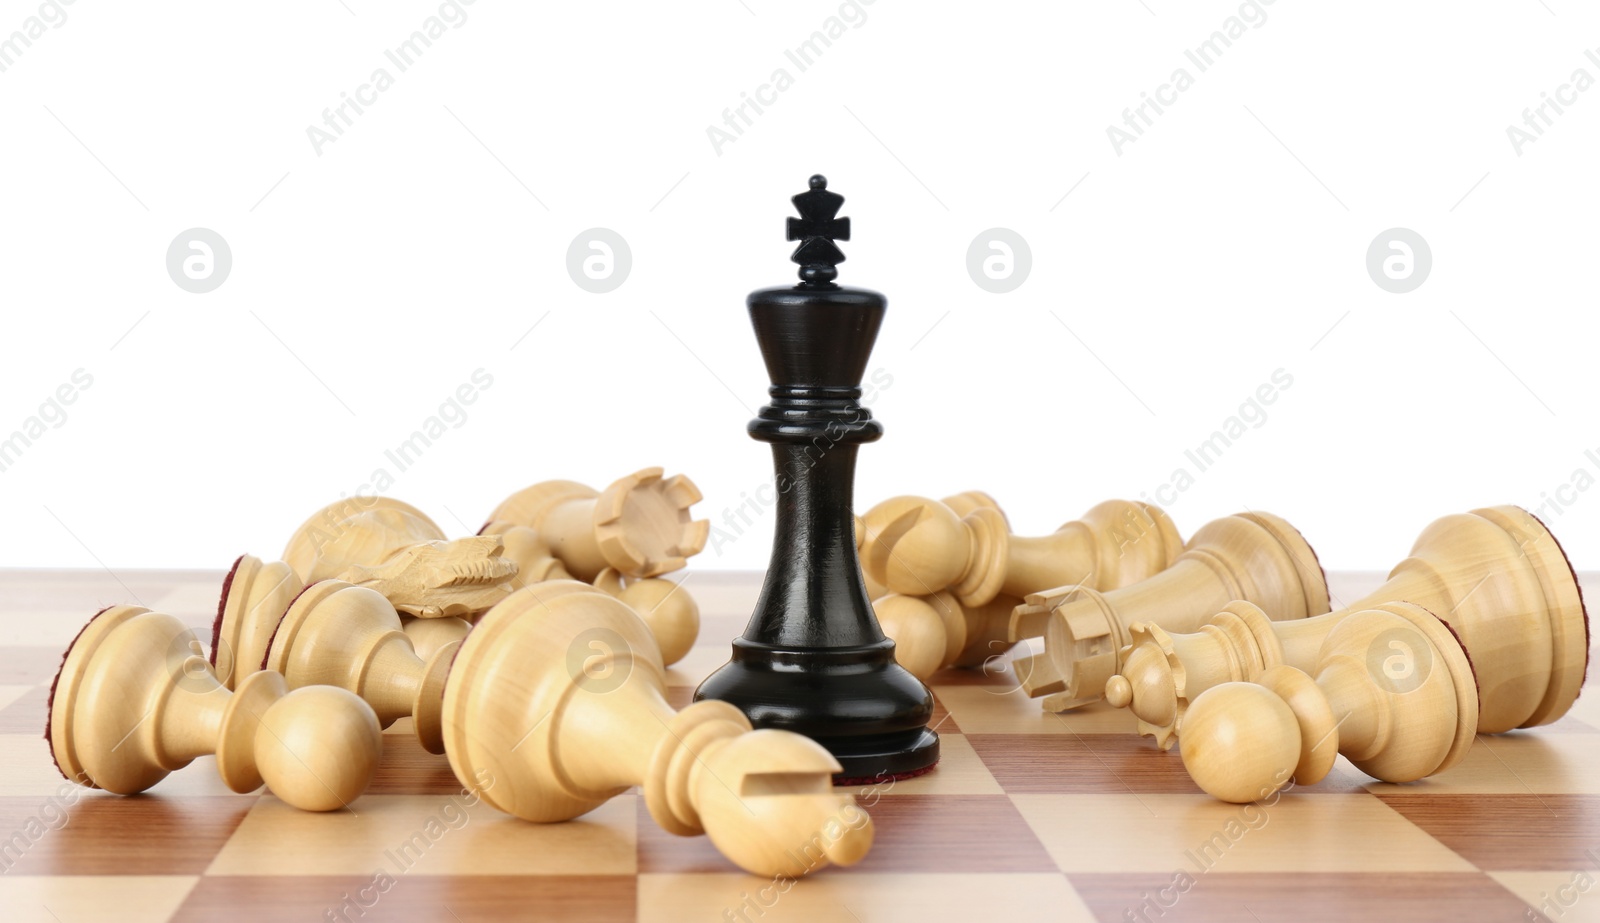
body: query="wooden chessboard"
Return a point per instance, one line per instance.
(1029, 817)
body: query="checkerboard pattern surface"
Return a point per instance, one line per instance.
(1030, 816)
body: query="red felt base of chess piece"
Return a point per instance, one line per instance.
(879, 780)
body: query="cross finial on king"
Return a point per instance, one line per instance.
(817, 228)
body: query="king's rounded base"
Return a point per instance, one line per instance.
(868, 711)
(879, 760)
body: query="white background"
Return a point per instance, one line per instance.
(370, 281)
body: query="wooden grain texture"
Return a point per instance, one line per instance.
(1061, 817)
(407, 769)
(27, 713)
(28, 664)
(1299, 898)
(916, 833)
(112, 835)
(1510, 832)
(1079, 764)
(419, 899)
(1108, 763)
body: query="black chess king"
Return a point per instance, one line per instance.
(813, 659)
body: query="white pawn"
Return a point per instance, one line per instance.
(134, 701)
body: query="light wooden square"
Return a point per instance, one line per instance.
(66, 898)
(9, 694)
(27, 769)
(275, 839)
(847, 896)
(1006, 710)
(1521, 763)
(1567, 896)
(194, 600)
(49, 627)
(701, 661)
(1200, 835)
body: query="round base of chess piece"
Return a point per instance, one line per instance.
(1566, 620)
(81, 757)
(514, 687)
(862, 705)
(1496, 576)
(134, 701)
(1255, 556)
(1393, 691)
(255, 595)
(338, 634)
(555, 705)
(639, 525)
